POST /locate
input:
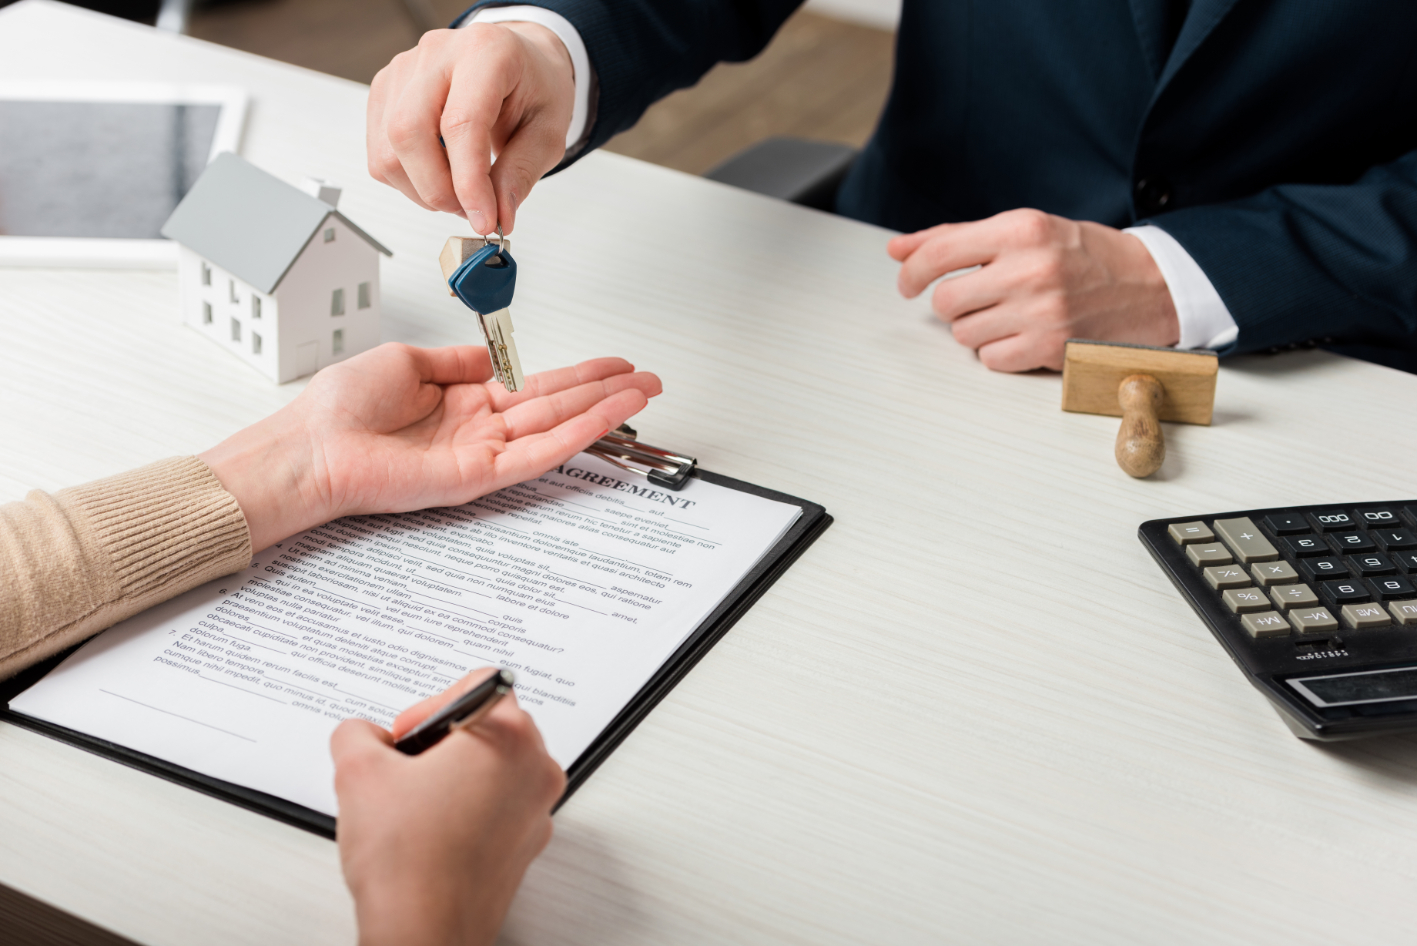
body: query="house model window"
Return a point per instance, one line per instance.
(288, 249)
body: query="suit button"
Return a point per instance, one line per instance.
(1153, 194)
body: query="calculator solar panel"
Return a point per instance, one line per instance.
(1316, 604)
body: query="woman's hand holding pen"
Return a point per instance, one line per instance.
(434, 845)
(400, 428)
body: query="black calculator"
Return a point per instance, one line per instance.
(1316, 604)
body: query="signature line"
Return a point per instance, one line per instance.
(178, 715)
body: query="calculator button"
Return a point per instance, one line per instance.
(1187, 532)
(1379, 517)
(1244, 538)
(1407, 561)
(1265, 624)
(1301, 546)
(1286, 597)
(1312, 620)
(1245, 600)
(1393, 586)
(1317, 569)
(1333, 520)
(1353, 542)
(1360, 616)
(1221, 577)
(1273, 573)
(1213, 554)
(1395, 540)
(1344, 592)
(1286, 523)
(1404, 612)
(1374, 564)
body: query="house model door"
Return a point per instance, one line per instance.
(306, 355)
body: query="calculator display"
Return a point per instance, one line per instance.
(1344, 689)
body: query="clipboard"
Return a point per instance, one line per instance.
(621, 448)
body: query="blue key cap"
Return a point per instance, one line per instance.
(486, 280)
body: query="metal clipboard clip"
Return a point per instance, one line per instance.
(660, 467)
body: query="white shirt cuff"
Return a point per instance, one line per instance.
(1205, 321)
(571, 38)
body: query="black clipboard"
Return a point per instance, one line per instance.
(811, 524)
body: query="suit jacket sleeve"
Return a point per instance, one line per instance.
(1331, 263)
(641, 50)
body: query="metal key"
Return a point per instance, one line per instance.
(481, 272)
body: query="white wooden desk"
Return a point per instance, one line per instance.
(975, 712)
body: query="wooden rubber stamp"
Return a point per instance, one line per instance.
(1143, 386)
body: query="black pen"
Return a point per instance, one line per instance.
(465, 711)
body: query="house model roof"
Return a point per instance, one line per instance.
(250, 223)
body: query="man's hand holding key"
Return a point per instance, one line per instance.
(440, 111)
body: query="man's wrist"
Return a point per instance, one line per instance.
(1152, 309)
(1202, 317)
(550, 46)
(584, 84)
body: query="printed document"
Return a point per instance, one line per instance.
(582, 582)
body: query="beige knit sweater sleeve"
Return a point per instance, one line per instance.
(76, 562)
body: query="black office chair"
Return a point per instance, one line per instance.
(792, 169)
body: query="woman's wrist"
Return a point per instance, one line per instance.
(269, 468)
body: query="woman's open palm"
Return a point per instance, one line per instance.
(400, 428)
(407, 428)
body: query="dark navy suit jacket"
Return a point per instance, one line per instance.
(1276, 140)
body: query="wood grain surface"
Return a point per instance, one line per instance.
(974, 712)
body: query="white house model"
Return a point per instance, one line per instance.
(273, 274)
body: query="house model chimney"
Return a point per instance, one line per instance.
(322, 189)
